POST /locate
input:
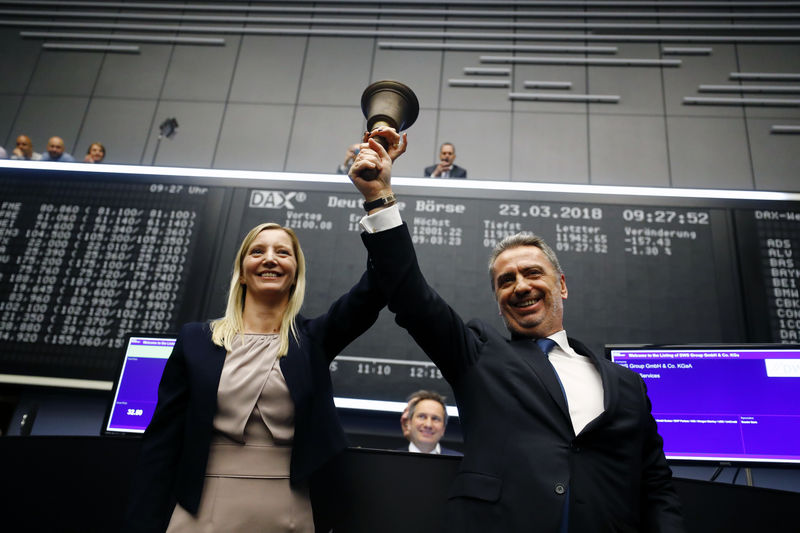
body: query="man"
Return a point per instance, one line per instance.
(349, 156)
(424, 422)
(24, 149)
(573, 448)
(446, 168)
(55, 151)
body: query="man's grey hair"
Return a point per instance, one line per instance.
(420, 395)
(522, 239)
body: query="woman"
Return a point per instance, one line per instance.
(245, 420)
(95, 154)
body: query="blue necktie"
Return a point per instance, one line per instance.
(546, 345)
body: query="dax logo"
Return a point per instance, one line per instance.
(275, 199)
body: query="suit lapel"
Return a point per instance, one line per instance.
(296, 370)
(610, 384)
(533, 356)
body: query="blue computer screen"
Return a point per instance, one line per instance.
(136, 387)
(722, 403)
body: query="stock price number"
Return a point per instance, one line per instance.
(135, 412)
(546, 211)
(665, 216)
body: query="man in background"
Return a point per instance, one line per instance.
(24, 149)
(423, 423)
(55, 151)
(446, 168)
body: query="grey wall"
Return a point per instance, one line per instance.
(291, 103)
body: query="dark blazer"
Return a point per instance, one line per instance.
(521, 452)
(455, 171)
(176, 444)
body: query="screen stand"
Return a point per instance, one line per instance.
(718, 471)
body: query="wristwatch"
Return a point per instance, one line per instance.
(384, 201)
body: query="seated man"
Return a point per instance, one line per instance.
(24, 149)
(446, 168)
(425, 423)
(55, 151)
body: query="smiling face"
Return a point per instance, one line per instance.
(426, 425)
(269, 266)
(529, 292)
(97, 152)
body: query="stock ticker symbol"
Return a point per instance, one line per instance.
(275, 199)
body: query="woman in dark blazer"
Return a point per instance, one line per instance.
(179, 446)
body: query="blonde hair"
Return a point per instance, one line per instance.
(225, 329)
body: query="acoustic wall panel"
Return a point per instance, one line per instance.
(469, 98)
(336, 71)
(254, 136)
(706, 152)
(625, 150)
(102, 124)
(136, 75)
(194, 143)
(770, 58)
(684, 80)
(19, 60)
(776, 158)
(268, 69)
(320, 136)
(201, 74)
(9, 104)
(640, 88)
(419, 69)
(61, 73)
(550, 147)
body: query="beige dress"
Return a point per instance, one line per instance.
(246, 487)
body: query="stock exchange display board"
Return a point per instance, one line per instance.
(87, 257)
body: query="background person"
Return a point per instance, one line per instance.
(95, 154)
(55, 151)
(425, 423)
(349, 157)
(24, 149)
(245, 423)
(446, 168)
(556, 438)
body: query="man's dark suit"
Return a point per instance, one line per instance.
(175, 447)
(455, 171)
(520, 449)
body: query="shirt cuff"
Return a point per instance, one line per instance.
(382, 220)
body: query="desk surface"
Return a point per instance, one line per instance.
(66, 484)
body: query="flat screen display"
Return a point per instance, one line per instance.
(136, 386)
(722, 403)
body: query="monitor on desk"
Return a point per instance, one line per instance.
(136, 384)
(722, 403)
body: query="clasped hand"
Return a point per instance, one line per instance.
(374, 157)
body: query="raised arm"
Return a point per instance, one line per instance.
(435, 326)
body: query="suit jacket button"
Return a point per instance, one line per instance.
(560, 489)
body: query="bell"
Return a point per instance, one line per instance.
(389, 103)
